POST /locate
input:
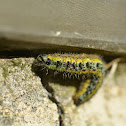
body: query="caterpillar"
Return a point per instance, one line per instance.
(90, 68)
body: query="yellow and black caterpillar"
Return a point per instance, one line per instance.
(89, 67)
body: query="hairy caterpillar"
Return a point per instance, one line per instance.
(89, 67)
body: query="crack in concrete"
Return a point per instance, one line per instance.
(45, 82)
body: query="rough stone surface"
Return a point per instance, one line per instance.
(24, 100)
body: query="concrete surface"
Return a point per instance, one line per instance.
(24, 98)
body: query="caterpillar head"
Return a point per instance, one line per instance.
(43, 60)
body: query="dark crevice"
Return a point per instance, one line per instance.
(45, 83)
(8, 54)
(54, 100)
(60, 110)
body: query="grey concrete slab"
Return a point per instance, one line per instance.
(29, 24)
